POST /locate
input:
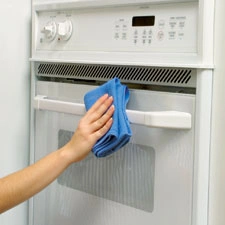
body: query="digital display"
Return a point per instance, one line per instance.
(140, 21)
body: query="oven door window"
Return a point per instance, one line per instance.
(125, 177)
(149, 181)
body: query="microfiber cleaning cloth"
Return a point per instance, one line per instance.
(120, 131)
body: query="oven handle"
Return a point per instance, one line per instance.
(162, 119)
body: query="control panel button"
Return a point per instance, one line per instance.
(65, 29)
(49, 31)
(160, 35)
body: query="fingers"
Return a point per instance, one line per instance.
(99, 108)
(103, 120)
(98, 119)
(103, 130)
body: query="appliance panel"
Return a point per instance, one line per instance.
(165, 28)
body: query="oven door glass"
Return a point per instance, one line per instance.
(149, 181)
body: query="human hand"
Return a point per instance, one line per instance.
(95, 123)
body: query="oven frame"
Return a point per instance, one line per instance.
(201, 145)
(204, 65)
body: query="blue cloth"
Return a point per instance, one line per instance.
(120, 132)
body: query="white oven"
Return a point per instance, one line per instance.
(156, 49)
(151, 176)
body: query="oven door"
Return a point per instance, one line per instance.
(149, 181)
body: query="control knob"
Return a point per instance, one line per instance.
(65, 29)
(49, 30)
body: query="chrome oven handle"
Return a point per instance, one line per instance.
(161, 119)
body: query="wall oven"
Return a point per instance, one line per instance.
(160, 177)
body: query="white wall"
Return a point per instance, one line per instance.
(15, 26)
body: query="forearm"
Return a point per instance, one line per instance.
(23, 184)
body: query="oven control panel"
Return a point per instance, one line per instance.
(147, 28)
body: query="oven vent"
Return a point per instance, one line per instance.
(129, 74)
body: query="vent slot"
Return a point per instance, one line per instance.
(130, 74)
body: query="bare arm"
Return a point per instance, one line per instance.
(23, 184)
